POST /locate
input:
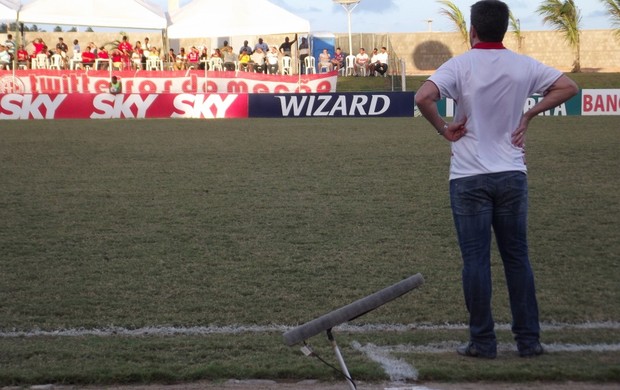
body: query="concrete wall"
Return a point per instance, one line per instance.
(422, 52)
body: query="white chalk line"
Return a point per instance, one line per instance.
(398, 370)
(112, 331)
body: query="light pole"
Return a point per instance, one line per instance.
(349, 6)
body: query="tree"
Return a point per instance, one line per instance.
(456, 16)
(72, 29)
(515, 25)
(57, 29)
(613, 8)
(564, 17)
(89, 29)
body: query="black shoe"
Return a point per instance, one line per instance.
(470, 350)
(535, 350)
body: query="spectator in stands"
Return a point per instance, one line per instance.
(103, 54)
(262, 45)
(325, 60)
(116, 86)
(382, 66)
(246, 47)
(285, 47)
(258, 60)
(62, 45)
(272, 60)
(76, 46)
(216, 53)
(374, 61)
(244, 61)
(361, 62)
(204, 58)
(64, 61)
(338, 59)
(117, 58)
(136, 55)
(125, 47)
(5, 58)
(39, 46)
(228, 56)
(304, 51)
(181, 60)
(193, 58)
(10, 45)
(154, 53)
(23, 57)
(88, 57)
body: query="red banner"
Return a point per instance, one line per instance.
(157, 82)
(105, 105)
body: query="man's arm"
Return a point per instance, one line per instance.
(560, 91)
(426, 99)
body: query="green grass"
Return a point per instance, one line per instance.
(224, 222)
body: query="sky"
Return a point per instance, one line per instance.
(381, 16)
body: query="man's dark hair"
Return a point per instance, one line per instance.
(490, 19)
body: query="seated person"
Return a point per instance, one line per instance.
(181, 60)
(338, 59)
(229, 58)
(117, 59)
(23, 56)
(258, 59)
(5, 58)
(325, 61)
(103, 54)
(88, 57)
(361, 62)
(193, 58)
(204, 58)
(244, 61)
(382, 65)
(272, 60)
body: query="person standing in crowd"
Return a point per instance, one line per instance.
(285, 47)
(304, 51)
(262, 45)
(10, 45)
(62, 46)
(76, 46)
(488, 183)
(246, 47)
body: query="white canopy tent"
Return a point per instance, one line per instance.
(138, 14)
(220, 18)
(8, 10)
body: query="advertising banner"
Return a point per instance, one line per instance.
(155, 82)
(378, 104)
(572, 107)
(601, 102)
(107, 106)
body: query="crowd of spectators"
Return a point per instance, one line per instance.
(261, 57)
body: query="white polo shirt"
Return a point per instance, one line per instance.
(490, 86)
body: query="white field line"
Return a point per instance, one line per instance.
(238, 329)
(399, 370)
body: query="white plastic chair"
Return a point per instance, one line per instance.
(350, 65)
(216, 63)
(75, 61)
(56, 62)
(41, 60)
(286, 65)
(153, 63)
(309, 63)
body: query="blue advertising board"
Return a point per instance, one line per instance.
(295, 105)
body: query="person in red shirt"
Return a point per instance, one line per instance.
(22, 56)
(193, 57)
(88, 57)
(39, 46)
(126, 48)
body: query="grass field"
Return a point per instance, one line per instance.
(192, 245)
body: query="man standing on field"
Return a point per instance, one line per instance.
(488, 182)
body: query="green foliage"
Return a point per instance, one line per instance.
(613, 8)
(57, 29)
(453, 13)
(565, 17)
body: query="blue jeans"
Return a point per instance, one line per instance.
(498, 201)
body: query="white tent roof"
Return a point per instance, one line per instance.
(8, 9)
(138, 14)
(222, 18)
